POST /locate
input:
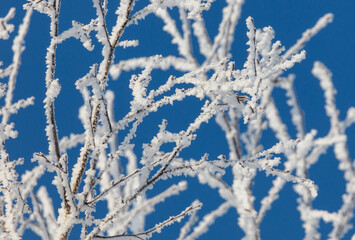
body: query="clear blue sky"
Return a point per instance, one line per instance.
(334, 46)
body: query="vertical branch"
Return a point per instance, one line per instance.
(296, 111)
(17, 49)
(99, 105)
(170, 27)
(204, 41)
(53, 89)
(243, 179)
(187, 44)
(52, 85)
(341, 150)
(223, 40)
(12, 201)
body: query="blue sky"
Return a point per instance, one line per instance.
(334, 46)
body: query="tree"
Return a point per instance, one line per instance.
(106, 175)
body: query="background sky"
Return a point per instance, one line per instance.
(334, 46)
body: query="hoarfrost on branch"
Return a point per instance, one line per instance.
(231, 97)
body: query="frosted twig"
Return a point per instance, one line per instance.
(5, 27)
(157, 228)
(308, 34)
(207, 221)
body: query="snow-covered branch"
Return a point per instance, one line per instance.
(107, 175)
